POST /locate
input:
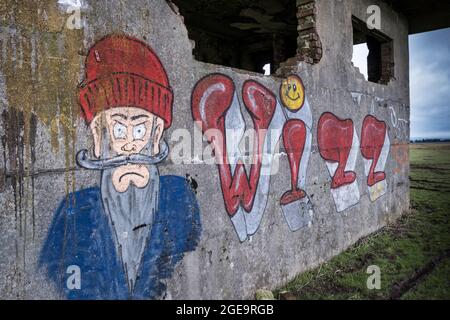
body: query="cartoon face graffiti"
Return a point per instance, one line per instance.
(130, 130)
(117, 233)
(292, 93)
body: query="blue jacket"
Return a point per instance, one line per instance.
(80, 235)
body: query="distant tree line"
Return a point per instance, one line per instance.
(429, 140)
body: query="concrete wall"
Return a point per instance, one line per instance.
(42, 128)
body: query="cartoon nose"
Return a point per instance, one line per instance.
(129, 147)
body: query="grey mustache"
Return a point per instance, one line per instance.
(101, 164)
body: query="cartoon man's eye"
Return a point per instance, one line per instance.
(295, 87)
(119, 131)
(139, 131)
(289, 87)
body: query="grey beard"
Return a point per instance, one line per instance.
(131, 215)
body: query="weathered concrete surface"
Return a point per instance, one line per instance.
(41, 128)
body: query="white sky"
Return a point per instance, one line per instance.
(359, 59)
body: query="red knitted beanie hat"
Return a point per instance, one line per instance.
(122, 71)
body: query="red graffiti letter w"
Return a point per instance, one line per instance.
(212, 97)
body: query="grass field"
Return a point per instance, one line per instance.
(413, 253)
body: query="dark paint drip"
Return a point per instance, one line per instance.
(140, 226)
(14, 123)
(32, 141)
(4, 181)
(16, 168)
(193, 183)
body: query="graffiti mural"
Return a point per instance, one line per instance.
(218, 113)
(124, 237)
(375, 147)
(297, 139)
(400, 155)
(339, 145)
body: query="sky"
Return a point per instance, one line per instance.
(430, 84)
(429, 67)
(359, 59)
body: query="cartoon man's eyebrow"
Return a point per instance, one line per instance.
(139, 116)
(120, 115)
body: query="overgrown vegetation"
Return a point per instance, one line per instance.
(412, 253)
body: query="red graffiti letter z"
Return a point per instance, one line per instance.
(373, 134)
(335, 137)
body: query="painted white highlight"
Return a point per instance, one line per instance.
(378, 189)
(247, 223)
(234, 131)
(299, 214)
(253, 218)
(305, 115)
(239, 224)
(346, 196)
(384, 154)
(367, 164)
(205, 96)
(301, 183)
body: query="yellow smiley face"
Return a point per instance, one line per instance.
(292, 93)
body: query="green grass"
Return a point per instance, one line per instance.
(400, 249)
(435, 286)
